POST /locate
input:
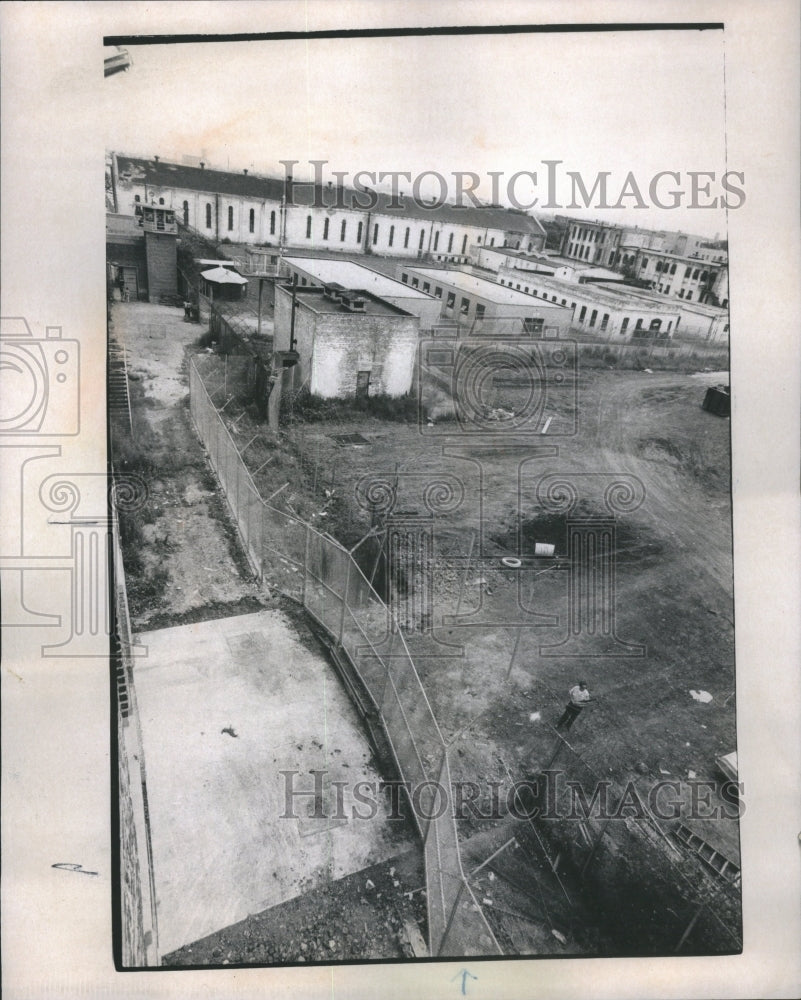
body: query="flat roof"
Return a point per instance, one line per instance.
(486, 289)
(318, 301)
(350, 274)
(612, 294)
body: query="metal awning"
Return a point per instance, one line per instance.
(221, 276)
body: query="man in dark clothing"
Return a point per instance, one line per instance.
(579, 696)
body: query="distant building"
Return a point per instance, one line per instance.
(505, 261)
(476, 303)
(683, 277)
(347, 342)
(248, 208)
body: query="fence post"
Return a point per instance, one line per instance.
(345, 600)
(305, 565)
(451, 918)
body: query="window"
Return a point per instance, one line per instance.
(656, 324)
(308, 227)
(593, 317)
(406, 236)
(230, 218)
(573, 306)
(582, 314)
(450, 243)
(518, 286)
(438, 292)
(426, 286)
(161, 201)
(404, 276)
(563, 302)
(643, 263)
(415, 283)
(325, 228)
(422, 239)
(343, 230)
(252, 221)
(673, 269)
(704, 275)
(272, 223)
(605, 321)
(478, 240)
(696, 272)
(137, 198)
(689, 296)
(464, 243)
(436, 240)
(525, 288)
(465, 307)
(208, 216)
(687, 272)
(479, 311)
(638, 325)
(359, 231)
(451, 300)
(391, 236)
(624, 325)
(681, 293)
(186, 213)
(532, 325)
(375, 233)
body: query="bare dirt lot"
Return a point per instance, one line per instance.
(497, 699)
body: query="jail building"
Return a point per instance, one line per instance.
(252, 209)
(476, 303)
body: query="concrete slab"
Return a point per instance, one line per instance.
(221, 849)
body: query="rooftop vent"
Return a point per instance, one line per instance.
(333, 291)
(202, 165)
(245, 170)
(354, 302)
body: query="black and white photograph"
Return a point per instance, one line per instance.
(408, 561)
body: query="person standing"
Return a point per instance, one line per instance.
(579, 696)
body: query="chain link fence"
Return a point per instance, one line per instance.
(312, 568)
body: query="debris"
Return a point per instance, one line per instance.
(395, 882)
(691, 775)
(702, 696)
(647, 371)
(559, 936)
(230, 731)
(486, 901)
(534, 717)
(369, 885)
(663, 771)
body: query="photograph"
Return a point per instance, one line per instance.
(422, 454)
(399, 479)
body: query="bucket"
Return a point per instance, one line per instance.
(543, 549)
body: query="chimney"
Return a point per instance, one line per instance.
(155, 159)
(288, 189)
(245, 170)
(202, 165)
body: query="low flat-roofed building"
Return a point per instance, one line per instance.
(475, 302)
(348, 342)
(610, 311)
(352, 275)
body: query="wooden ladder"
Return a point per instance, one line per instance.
(713, 858)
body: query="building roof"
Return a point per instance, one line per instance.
(260, 188)
(222, 276)
(617, 296)
(350, 274)
(317, 300)
(485, 289)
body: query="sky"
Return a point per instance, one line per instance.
(641, 102)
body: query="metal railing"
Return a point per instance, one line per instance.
(314, 569)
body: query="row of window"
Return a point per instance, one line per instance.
(662, 267)
(593, 235)
(656, 324)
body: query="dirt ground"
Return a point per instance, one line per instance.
(498, 699)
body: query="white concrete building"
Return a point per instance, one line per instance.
(477, 303)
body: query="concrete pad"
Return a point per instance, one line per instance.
(221, 850)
